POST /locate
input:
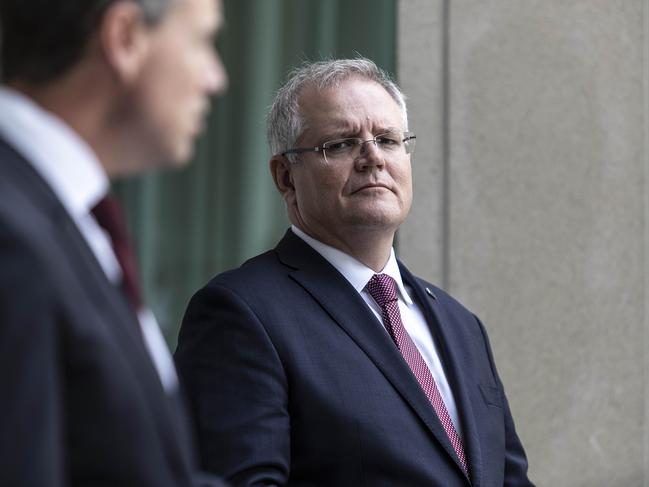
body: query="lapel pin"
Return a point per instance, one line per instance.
(430, 293)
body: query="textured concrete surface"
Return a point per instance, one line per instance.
(545, 212)
(420, 37)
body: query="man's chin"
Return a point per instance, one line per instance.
(384, 213)
(379, 221)
(178, 158)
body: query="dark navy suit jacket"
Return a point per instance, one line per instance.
(293, 381)
(82, 404)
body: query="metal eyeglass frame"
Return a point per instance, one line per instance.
(358, 142)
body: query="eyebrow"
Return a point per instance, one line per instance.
(353, 134)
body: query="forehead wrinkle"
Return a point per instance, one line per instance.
(344, 125)
(346, 115)
(328, 129)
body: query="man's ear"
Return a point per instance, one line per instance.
(124, 39)
(280, 168)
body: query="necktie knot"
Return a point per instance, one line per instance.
(109, 215)
(382, 288)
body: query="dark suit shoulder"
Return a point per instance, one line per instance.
(28, 207)
(24, 242)
(259, 271)
(26, 261)
(25, 283)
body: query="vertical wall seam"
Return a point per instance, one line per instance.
(446, 146)
(645, 246)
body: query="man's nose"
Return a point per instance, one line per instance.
(216, 77)
(370, 155)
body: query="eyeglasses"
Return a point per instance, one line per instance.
(388, 143)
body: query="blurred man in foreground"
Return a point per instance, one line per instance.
(92, 90)
(325, 362)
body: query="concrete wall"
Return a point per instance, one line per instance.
(531, 208)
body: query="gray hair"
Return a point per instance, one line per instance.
(285, 124)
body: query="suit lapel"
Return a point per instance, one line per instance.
(348, 309)
(74, 251)
(124, 327)
(115, 314)
(450, 350)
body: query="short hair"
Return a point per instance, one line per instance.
(41, 39)
(285, 124)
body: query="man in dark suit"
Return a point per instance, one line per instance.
(92, 90)
(325, 362)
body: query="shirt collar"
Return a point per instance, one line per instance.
(62, 158)
(357, 273)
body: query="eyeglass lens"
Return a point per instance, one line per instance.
(387, 143)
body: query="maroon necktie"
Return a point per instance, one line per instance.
(383, 290)
(108, 213)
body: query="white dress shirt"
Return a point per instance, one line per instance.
(73, 172)
(413, 319)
